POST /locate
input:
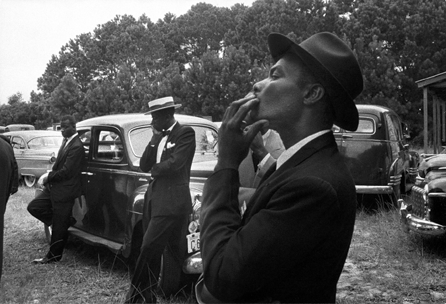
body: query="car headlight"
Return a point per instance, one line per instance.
(53, 158)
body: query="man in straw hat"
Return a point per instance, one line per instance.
(167, 204)
(291, 243)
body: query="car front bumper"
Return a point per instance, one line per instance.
(374, 189)
(417, 224)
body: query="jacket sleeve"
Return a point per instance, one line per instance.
(72, 165)
(182, 152)
(148, 158)
(240, 259)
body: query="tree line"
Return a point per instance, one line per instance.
(211, 56)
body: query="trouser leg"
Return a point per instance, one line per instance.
(62, 212)
(147, 270)
(42, 208)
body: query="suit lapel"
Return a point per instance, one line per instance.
(170, 138)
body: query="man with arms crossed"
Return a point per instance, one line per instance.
(167, 202)
(291, 243)
(53, 206)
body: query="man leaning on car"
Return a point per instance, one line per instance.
(53, 206)
(291, 243)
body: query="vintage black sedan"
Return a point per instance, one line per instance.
(378, 154)
(35, 152)
(109, 212)
(424, 211)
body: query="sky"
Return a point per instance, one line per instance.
(31, 31)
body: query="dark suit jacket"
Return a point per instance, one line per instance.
(64, 180)
(8, 185)
(169, 194)
(8, 174)
(292, 242)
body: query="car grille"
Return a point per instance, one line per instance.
(437, 206)
(419, 207)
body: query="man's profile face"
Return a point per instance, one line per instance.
(160, 120)
(67, 129)
(280, 97)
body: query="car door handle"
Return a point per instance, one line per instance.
(87, 173)
(347, 136)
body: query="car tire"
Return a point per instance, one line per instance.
(170, 275)
(48, 233)
(29, 180)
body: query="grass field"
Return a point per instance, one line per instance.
(390, 266)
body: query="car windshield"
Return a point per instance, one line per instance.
(45, 142)
(205, 138)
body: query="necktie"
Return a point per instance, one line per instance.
(64, 142)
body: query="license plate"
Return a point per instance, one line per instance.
(193, 242)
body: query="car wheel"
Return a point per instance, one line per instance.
(30, 180)
(48, 233)
(170, 274)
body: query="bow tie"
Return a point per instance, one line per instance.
(166, 132)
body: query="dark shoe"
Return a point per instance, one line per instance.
(45, 260)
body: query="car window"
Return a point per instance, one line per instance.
(205, 138)
(139, 138)
(85, 137)
(395, 126)
(109, 147)
(365, 126)
(205, 144)
(46, 142)
(17, 142)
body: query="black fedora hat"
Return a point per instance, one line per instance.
(334, 65)
(161, 104)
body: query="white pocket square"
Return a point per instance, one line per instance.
(170, 145)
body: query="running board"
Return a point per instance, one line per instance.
(95, 240)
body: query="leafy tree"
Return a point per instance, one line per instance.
(297, 19)
(398, 43)
(66, 97)
(211, 56)
(211, 82)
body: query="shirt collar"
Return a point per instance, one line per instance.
(171, 127)
(70, 138)
(287, 154)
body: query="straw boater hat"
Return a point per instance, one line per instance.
(335, 67)
(161, 104)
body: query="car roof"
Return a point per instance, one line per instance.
(28, 134)
(127, 121)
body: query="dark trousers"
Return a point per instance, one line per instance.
(162, 231)
(56, 214)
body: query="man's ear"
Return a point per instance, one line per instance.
(315, 92)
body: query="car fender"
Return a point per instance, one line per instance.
(134, 217)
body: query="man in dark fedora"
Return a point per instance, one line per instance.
(168, 203)
(291, 243)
